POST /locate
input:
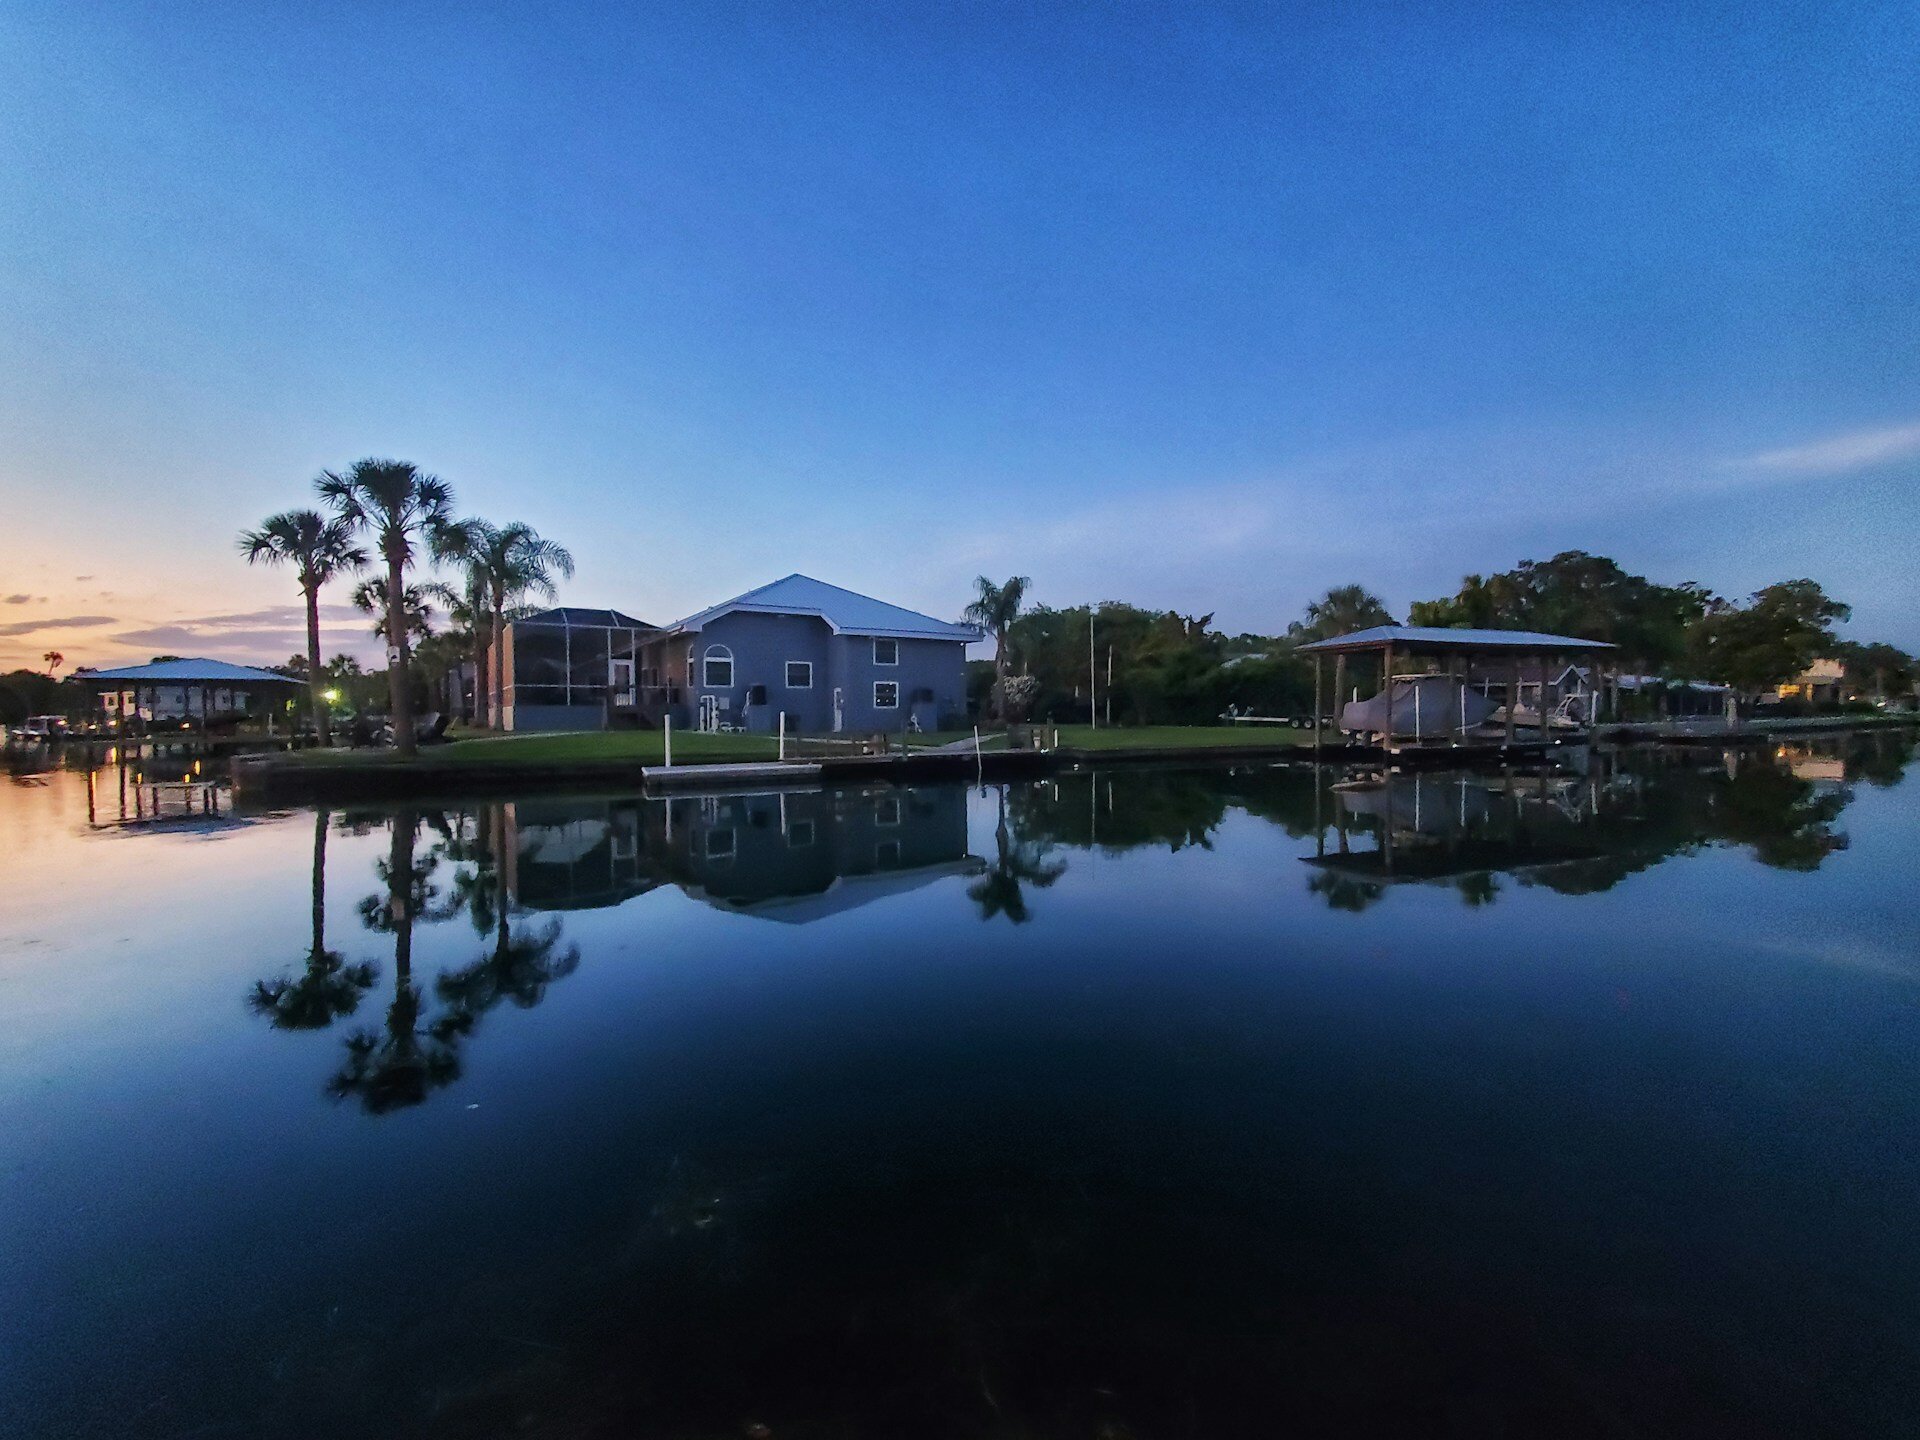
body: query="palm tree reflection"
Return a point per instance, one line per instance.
(523, 961)
(328, 989)
(401, 1064)
(1015, 863)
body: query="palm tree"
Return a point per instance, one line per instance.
(1341, 611)
(505, 564)
(404, 508)
(330, 988)
(54, 661)
(319, 547)
(371, 597)
(994, 609)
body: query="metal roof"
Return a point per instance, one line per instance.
(1437, 637)
(845, 611)
(576, 617)
(186, 672)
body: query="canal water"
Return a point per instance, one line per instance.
(1147, 1103)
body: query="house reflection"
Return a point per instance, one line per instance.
(791, 856)
(801, 856)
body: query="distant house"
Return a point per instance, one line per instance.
(569, 668)
(829, 659)
(1820, 682)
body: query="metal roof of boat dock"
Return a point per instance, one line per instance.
(198, 671)
(1439, 637)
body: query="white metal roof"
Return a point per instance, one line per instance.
(845, 611)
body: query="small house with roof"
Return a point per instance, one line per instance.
(829, 660)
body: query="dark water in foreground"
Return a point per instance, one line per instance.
(1143, 1104)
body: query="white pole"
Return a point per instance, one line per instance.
(783, 740)
(1093, 676)
(669, 724)
(979, 765)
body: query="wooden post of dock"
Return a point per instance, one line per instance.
(1319, 708)
(1513, 697)
(1386, 686)
(1546, 663)
(1339, 689)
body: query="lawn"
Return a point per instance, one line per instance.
(1176, 737)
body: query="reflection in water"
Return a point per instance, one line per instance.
(1185, 1151)
(328, 989)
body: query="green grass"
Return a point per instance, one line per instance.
(1177, 737)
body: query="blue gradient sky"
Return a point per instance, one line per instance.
(1208, 313)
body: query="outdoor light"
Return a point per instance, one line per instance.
(330, 695)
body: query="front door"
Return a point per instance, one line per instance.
(620, 682)
(710, 713)
(839, 709)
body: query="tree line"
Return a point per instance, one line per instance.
(1118, 662)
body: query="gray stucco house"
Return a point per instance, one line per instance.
(832, 661)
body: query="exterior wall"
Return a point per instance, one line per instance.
(555, 717)
(176, 702)
(761, 646)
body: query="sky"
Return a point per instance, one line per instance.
(1203, 308)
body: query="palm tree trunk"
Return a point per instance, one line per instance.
(400, 897)
(1000, 676)
(316, 683)
(399, 670)
(479, 712)
(498, 708)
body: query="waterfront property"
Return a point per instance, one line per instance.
(1437, 685)
(1820, 683)
(829, 660)
(569, 668)
(185, 693)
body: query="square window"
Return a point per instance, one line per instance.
(886, 811)
(800, 834)
(720, 843)
(886, 652)
(886, 694)
(717, 673)
(799, 674)
(886, 854)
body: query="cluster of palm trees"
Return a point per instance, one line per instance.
(392, 517)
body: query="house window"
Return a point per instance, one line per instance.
(886, 855)
(886, 694)
(720, 843)
(800, 834)
(886, 811)
(716, 670)
(799, 674)
(886, 652)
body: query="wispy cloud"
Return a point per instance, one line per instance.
(1839, 454)
(22, 599)
(58, 622)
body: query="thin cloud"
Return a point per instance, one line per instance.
(1839, 454)
(58, 622)
(22, 599)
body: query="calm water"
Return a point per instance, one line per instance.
(1143, 1104)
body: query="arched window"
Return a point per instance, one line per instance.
(716, 668)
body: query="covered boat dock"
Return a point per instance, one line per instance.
(1435, 703)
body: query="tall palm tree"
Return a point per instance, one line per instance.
(994, 609)
(404, 509)
(506, 564)
(319, 548)
(1341, 611)
(54, 661)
